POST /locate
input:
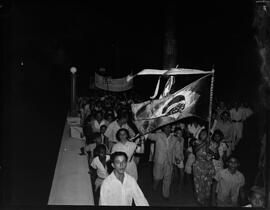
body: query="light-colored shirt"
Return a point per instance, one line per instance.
(238, 115)
(166, 149)
(113, 128)
(101, 170)
(115, 193)
(228, 186)
(96, 125)
(178, 149)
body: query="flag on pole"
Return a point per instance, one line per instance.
(192, 100)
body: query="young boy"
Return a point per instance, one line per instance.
(228, 185)
(104, 139)
(98, 167)
(91, 148)
(119, 188)
(256, 197)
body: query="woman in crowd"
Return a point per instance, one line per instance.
(203, 169)
(124, 145)
(120, 122)
(218, 147)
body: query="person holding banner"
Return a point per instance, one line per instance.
(128, 147)
(203, 169)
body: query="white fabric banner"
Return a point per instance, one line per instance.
(116, 85)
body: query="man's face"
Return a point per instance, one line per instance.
(123, 135)
(178, 133)
(99, 117)
(203, 135)
(102, 153)
(257, 200)
(167, 129)
(217, 138)
(233, 164)
(119, 164)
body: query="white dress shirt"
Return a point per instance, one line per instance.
(115, 193)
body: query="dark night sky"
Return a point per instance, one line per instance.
(50, 37)
(85, 35)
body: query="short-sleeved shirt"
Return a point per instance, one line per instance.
(101, 170)
(115, 193)
(228, 186)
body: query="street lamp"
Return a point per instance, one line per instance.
(73, 71)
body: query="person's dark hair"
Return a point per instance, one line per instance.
(116, 154)
(177, 129)
(102, 126)
(224, 113)
(218, 132)
(256, 189)
(98, 112)
(100, 147)
(232, 157)
(118, 133)
(122, 114)
(95, 135)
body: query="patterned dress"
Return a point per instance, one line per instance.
(203, 172)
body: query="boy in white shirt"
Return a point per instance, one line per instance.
(98, 169)
(119, 188)
(228, 185)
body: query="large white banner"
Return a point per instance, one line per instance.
(116, 85)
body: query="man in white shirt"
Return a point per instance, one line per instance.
(112, 129)
(237, 117)
(119, 188)
(165, 155)
(228, 185)
(98, 122)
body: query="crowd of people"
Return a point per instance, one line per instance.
(184, 150)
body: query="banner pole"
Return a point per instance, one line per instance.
(211, 101)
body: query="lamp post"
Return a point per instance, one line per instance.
(73, 71)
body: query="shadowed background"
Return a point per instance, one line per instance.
(42, 40)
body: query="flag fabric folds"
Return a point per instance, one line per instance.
(192, 100)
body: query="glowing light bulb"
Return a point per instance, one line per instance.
(73, 70)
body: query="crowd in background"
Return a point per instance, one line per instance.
(181, 152)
